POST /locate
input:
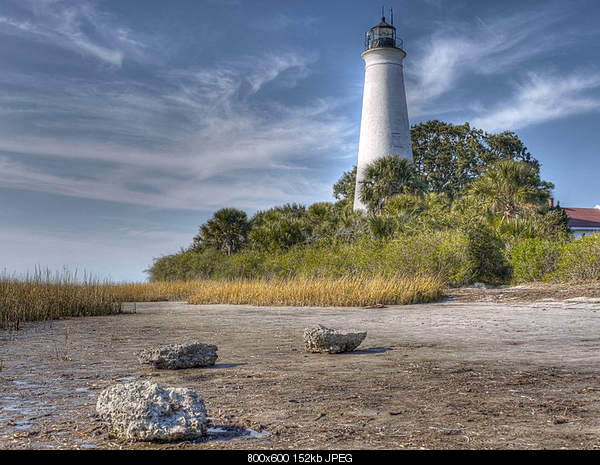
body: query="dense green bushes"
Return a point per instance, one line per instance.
(457, 257)
(579, 260)
(471, 208)
(442, 254)
(541, 259)
(484, 250)
(415, 235)
(533, 259)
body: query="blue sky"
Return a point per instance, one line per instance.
(124, 124)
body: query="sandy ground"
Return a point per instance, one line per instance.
(532, 292)
(456, 374)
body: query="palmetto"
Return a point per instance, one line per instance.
(511, 189)
(227, 230)
(386, 177)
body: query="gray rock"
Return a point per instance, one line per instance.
(173, 357)
(145, 411)
(322, 339)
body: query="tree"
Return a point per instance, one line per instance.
(344, 188)
(418, 213)
(226, 231)
(448, 157)
(507, 146)
(386, 177)
(280, 227)
(511, 189)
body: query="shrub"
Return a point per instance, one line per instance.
(186, 265)
(580, 260)
(532, 259)
(434, 253)
(441, 254)
(420, 213)
(485, 254)
(280, 228)
(324, 219)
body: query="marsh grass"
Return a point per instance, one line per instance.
(43, 295)
(351, 291)
(47, 296)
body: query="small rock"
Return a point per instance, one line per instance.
(479, 286)
(145, 411)
(322, 339)
(177, 356)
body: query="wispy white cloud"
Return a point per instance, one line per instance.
(21, 25)
(457, 51)
(203, 137)
(271, 66)
(192, 138)
(544, 98)
(251, 190)
(76, 26)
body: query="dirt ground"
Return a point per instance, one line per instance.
(526, 293)
(476, 371)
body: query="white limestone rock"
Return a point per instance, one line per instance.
(480, 286)
(146, 411)
(179, 356)
(327, 340)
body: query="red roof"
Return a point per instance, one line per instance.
(583, 217)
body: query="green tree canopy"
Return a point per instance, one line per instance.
(344, 188)
(226, 231)
(448, 157)
(280, 227)
(511, 189)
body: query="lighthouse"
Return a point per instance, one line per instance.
(384, 127)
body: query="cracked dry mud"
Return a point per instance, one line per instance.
(507, 374)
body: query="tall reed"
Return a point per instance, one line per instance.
(43, 295)
(47, 296)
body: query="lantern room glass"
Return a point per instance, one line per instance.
(382, 35)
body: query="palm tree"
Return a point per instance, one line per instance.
(226, 231)
(511, 188)
(385, 177)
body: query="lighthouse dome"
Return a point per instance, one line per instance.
(381, 35)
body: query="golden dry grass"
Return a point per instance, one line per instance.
(322, 292)
(46, 297)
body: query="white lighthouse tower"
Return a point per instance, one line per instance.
(384, 127)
